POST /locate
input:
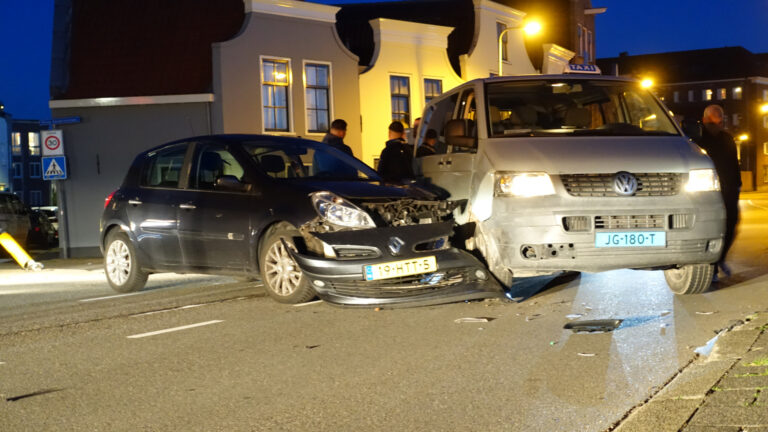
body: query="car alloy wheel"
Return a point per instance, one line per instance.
(118, 262)
(281, 272)
(124, 272)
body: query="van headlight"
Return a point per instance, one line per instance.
(702, 180)
(338, 211)
(524, 184)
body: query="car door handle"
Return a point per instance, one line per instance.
(187, 206)
(134, 202)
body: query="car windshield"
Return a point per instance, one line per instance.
(574, 107)
(296, 161)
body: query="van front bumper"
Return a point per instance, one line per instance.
(539, 239)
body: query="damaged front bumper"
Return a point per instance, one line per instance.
(353, 270)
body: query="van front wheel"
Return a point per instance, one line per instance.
(690, 278)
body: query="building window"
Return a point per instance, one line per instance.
(34, 143)
(318, 89)
(275, 94)
(34, 169)
(590, 49)
(765, 148)
(16, 143)
(736, 94)
(18, 172)
(691, 96)
(706, 94)
(500, 27)
(765, 122)
(676, 96)
(765, 95)
(35, 198)
(400, 89)
(720, 94)
(736, 119)
(432, 89)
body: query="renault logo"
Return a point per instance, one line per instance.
(625, 183)
(395, 244)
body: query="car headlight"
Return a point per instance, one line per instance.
(338, 211)
(701, 180)
(524, 184)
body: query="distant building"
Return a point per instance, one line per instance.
(26, 164)
(733, 77)
(5, 149)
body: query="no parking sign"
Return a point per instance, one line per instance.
(53, 142)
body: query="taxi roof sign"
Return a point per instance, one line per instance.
(583, 69)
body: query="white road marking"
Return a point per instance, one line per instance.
(108, 297)
(154, 333)
(755, 205)
(168, 310)
(308, 303)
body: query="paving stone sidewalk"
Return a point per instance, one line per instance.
(725, 391)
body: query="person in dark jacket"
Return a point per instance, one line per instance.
(721, 148)
(325, 164)
(395, 160)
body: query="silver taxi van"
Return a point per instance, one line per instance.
(576, 173)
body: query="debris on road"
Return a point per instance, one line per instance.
(573, 316)
(586, 354)
(706, 349)
(307, 303)
(705, 313)
(665, 312)
(311, 346)
(532, 317)
(473, 320)
(590, 326)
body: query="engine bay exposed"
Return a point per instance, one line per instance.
(410, 211)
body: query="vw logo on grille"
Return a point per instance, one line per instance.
(625, 183)
(395, 244)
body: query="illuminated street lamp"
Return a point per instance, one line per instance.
(530, 28)
(646, 83)
(743, 137)
(764, 108)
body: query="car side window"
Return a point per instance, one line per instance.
(163, 167)
(212, 162)
(439, 117)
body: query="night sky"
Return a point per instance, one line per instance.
(650, 26)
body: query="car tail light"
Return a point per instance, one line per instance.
(108, 199)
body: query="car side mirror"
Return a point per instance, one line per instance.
(692, 128)
(457, 134)
(231, 183)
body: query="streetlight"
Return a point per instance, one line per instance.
(530, 28)
(646, 83)
(764, 108)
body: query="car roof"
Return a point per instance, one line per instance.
(236, 138)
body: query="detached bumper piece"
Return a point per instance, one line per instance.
(367, 265)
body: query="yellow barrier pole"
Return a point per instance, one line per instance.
(18, 253)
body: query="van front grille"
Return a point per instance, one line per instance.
(601, 185)
(629, 221)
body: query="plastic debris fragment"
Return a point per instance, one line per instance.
(473, 320)
(586, 354)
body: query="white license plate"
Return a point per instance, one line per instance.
(395, 269)
(631, 239)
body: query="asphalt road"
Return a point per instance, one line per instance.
(190, 356)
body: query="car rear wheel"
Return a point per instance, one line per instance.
(690, 278)
(123, 270)
(282, 277)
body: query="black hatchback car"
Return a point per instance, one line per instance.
(253, 205)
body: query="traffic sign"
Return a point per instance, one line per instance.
(62, 120)
(53, 142)
(55, 168)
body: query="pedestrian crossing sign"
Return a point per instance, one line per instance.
(55, 168)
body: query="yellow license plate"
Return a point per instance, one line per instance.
(395, 269)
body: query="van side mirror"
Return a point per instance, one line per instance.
(692, 128)
(457, 134)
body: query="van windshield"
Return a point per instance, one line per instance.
(574, 107)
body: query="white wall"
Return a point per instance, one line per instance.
(415, 50)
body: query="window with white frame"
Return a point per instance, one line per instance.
(720, 94)
(676, 96)
(500, 27)
(736, 119)
(765, 95)
(18, 171)
(16, 143)
(35, 198)
(706, 94)
(34, 169)
(432, 89)
(736, 94)
(765, 148)
(275, 94)
(33, 141)
(318, 90)
(691, 96)
(400, 90)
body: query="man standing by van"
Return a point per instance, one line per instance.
(721, 148)
(395, 160)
